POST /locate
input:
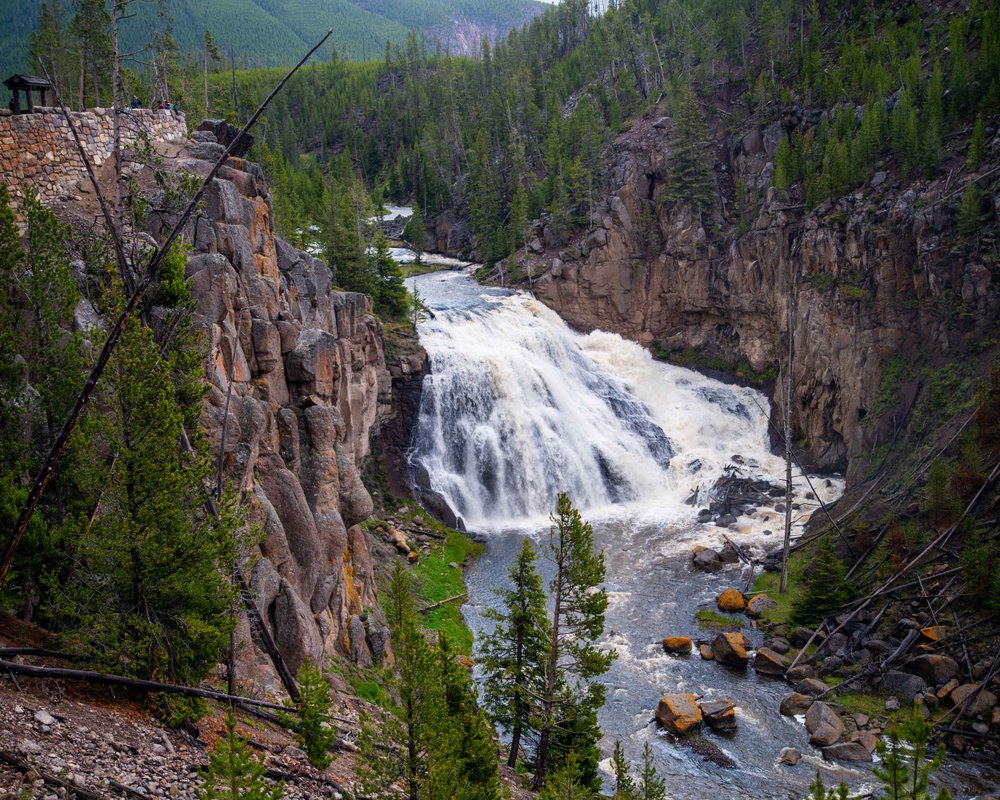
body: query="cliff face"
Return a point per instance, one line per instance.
(308, 386)
(880, 274)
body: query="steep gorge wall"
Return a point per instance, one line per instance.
(309, 386)
(879, 274)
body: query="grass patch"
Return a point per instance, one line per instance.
(769, 583)
(709, 620)
(367, 689)
(860, 703)
(436, 580)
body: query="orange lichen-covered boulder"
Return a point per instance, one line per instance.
(679, 713)
(730, 649)
(677, 644)
(731, 601)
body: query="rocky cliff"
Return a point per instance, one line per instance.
(880, 274)
(298, 383)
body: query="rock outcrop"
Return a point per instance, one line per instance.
(298, 382)
(875, 276)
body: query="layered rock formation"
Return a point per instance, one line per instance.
(874, 276)
(298, 383)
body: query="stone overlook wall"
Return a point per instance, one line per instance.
(37, 150)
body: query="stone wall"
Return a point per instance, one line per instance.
(37, 150)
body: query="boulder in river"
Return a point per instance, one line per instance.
(823, 724)
(731, 601)
(706, 559)
(677, 644)
(795, 704)
(767, 662)
(790, 756)
(730, 649)
(847, 751)
(679, 713)
(720, 715)
(706, 652)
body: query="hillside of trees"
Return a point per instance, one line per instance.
(262, 33)
(518, 131)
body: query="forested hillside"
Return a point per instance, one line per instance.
(270, 32)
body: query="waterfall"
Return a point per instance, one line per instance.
(518, 407)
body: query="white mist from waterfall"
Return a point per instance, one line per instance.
(519, 407)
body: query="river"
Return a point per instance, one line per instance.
(519, 407)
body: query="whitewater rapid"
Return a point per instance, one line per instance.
(519, 407)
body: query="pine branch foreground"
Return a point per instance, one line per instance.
(46, 471)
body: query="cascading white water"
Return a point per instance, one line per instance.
(519, 407)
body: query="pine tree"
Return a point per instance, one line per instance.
(970, 209)
(234, 772)
(415, 231)
(210, 54)
(462, 757)
(826, 587)
(389, 291)
(567, 783)
(441, 744)
(784, 172)
(977, 144)
(91, 25)
(691, 178)
(905, 763)
(47, 49)
(650, 785)
(312, 723)
(148, 584)
(625, 788)
(932, 121)
(513, 656)
(486, 206)
(572, 695)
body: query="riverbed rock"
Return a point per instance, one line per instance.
(847, 751)
(730, 649)
(790, 756)
(966, 696)
(720, 715)
(780, 645)
(767, 662)
(945, 691)
(902, 685)
(934, 668)
(813, 687)
(706, 559)
(677, 644)
(823, 724)
(758, 604)
(799, 673)
(679, 713)
(706, 652)
(869, 739)
(795, 704)
(731, 601)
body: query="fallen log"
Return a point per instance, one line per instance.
(131, 683)
(444, 602)
(38, 652)
(72, 789)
